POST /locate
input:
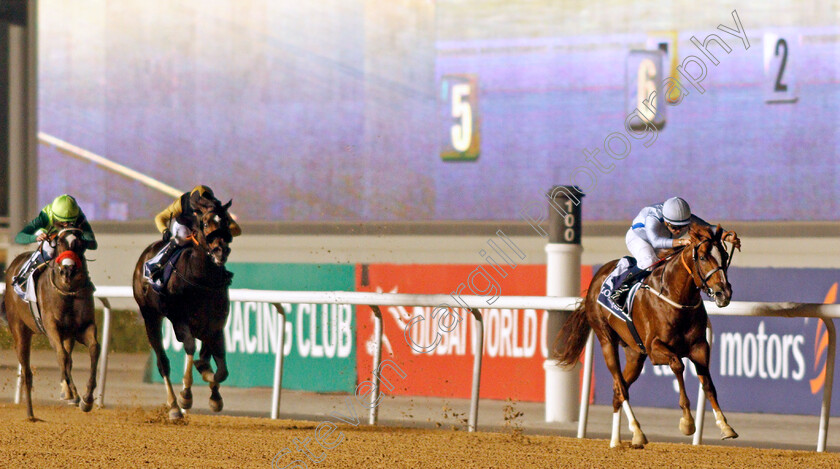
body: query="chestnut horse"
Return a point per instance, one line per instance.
(670, 318)
(195, 300)
(65, 297)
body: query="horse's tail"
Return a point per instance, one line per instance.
(571, 340)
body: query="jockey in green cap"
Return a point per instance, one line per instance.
(62, 213)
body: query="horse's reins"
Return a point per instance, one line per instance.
(703, 278)
(76, 293)
(185, 279)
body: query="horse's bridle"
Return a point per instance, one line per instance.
(76, 293)
(705, 278)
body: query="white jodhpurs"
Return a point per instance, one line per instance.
(640, 249)
(180, 233)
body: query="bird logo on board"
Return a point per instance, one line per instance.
(821, 345)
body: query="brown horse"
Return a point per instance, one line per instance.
(65, 298)
(195, 300)
(670, 318)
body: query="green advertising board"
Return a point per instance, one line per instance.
(319, 340)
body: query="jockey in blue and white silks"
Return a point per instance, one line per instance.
(659, 226)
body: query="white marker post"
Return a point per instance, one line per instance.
(563, 253)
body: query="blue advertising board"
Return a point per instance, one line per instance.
(758, 364)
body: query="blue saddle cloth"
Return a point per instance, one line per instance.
(168, 270)
(625, 267)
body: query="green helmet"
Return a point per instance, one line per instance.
(64, 208)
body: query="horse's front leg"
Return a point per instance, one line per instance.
(153, 331)
(185, 397)
(23, 343)
(88, 338)
(64, 350)
(661, 353)
(215, 348)
(620, 399)
(699, 355)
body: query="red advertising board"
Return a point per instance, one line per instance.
(440, 364)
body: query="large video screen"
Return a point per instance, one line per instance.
(447, 110)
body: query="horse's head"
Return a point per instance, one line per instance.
(710, 263)
(69, 252)
(214, 231)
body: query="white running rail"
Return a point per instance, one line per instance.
(737, 308)
(374, 300)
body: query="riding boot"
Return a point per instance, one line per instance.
(19, 280)
(154, 266)
(619, 295)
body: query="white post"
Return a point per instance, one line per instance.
(478, 339)
(825, 411)
(563, 253)
(103, 353)
(377, 360)
(583, 417)
(278, 362)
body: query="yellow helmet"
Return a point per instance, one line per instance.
(64, 209)
(200, 195)
(202, 191)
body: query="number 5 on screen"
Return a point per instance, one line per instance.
(459, 109)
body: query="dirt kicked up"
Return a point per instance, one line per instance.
(67, 438)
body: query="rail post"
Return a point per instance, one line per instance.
(478, 339)
(377, 360)
(102, 372)
(825, 410)
(278, 362)
(563, 260)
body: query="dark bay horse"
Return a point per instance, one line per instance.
(65, 296)
(670, 318)
(195, 300)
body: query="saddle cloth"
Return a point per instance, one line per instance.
(625, 267)
(30, 296)
(168, 270)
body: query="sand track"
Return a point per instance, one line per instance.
(67, 438)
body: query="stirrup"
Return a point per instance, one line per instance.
(619, 293)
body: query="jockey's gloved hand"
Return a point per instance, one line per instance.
(167, 235)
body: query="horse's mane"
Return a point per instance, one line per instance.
(699, 232)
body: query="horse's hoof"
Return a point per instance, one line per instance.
(639, 441)
(727, 433)
(615, 444)
(687, 426)
(207, 376)
(185, 400)
(175, 414)
(72, 402)
(217, 405)
(86, 406)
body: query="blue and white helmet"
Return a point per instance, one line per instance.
(676, 211)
